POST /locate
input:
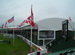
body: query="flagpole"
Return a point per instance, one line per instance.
(31, 39)
(32, 24)
(3, 28)
(38, 36)
(6, 29)
(13, 33)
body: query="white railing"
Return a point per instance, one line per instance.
(41, 52)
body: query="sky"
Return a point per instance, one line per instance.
(42, 9)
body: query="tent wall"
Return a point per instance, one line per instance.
(61, 43)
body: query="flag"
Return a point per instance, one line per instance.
(70, 19)
(28, 19)
(22, 23)
(11, 20)
(5, 24)
(19, 26)
(31, 18)
(32, 23)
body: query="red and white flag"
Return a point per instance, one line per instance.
(31, 18)
(26, 21)
(11, 20)
(22, 23)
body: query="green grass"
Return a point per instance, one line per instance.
(19, 47)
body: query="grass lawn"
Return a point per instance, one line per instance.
(19, 47)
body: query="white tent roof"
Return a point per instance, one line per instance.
(54, 24)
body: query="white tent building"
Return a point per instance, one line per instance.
(47, 28)
(53, 24)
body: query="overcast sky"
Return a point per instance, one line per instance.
(42, 9)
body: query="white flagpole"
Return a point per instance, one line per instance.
(31, 33)
(6, 29)
(3, 28)
(38, 36)
(13, 33)
(31, 39)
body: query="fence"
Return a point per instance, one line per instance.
(38, 49)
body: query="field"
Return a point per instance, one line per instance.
(8, 48)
